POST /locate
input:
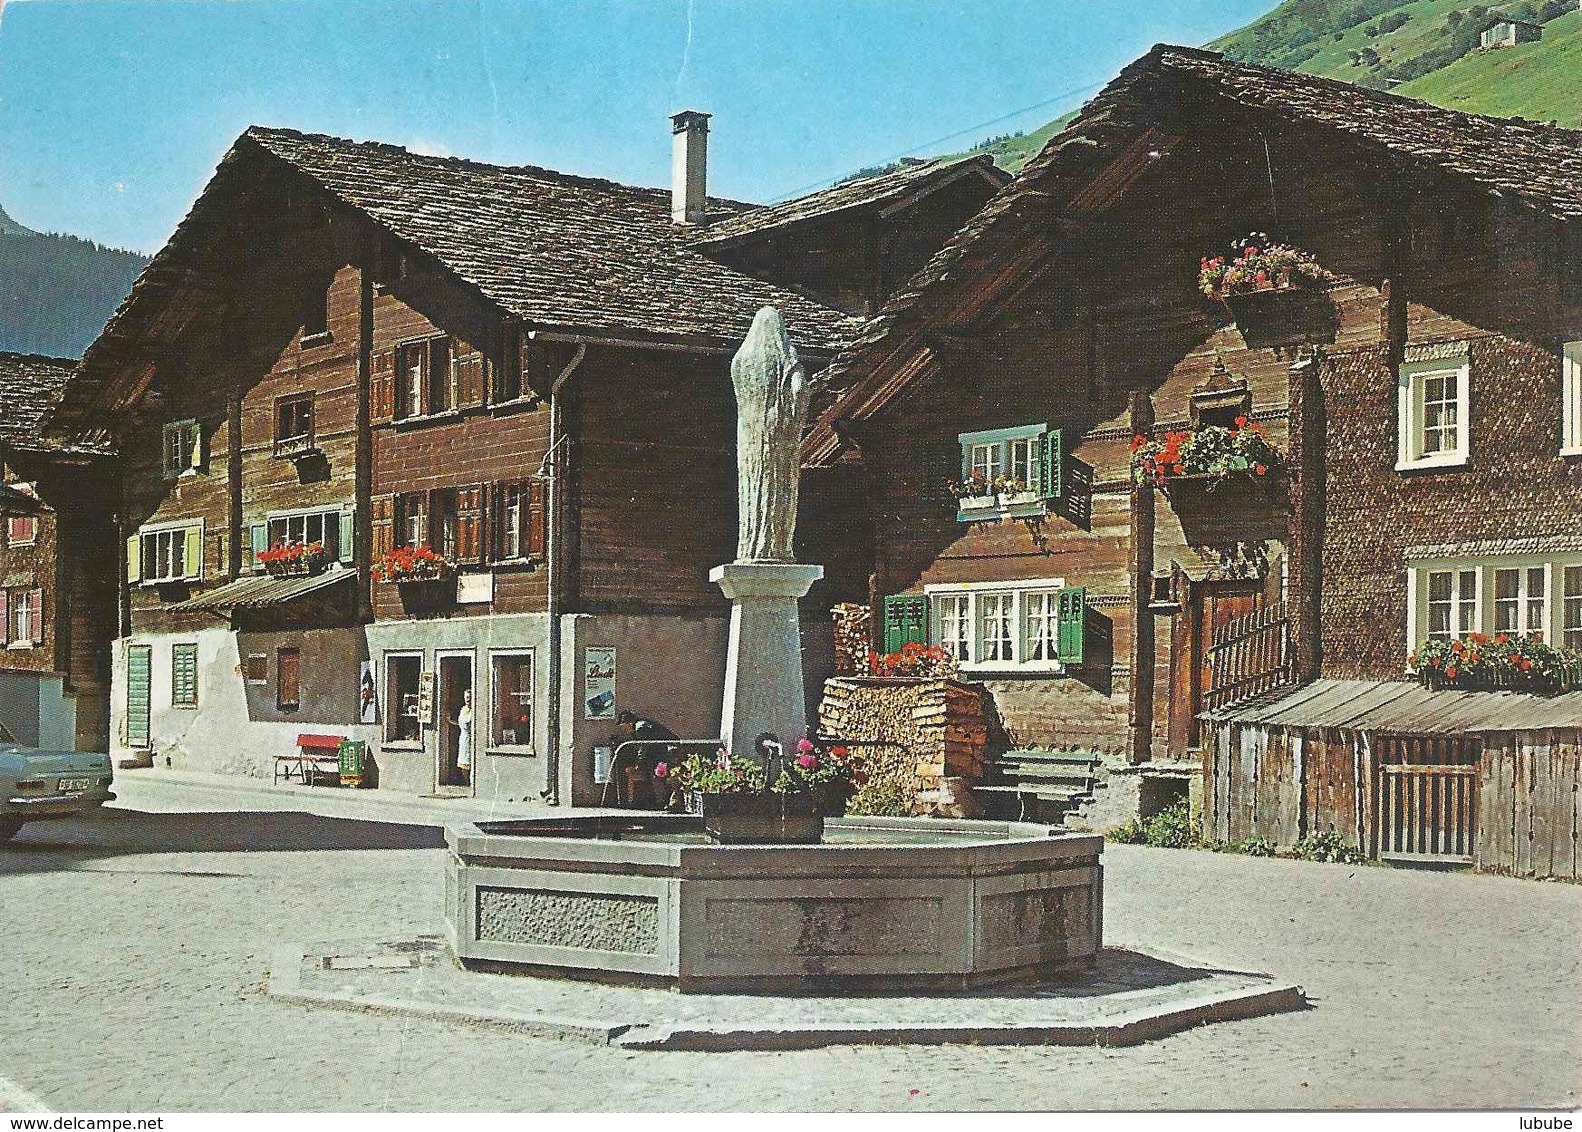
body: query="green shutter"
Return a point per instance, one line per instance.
(184, 675)
(137, 673)
(1054, 464)
(192, 556)
(905, 621)
(1073, 615)
(258, 537)
(347, 527)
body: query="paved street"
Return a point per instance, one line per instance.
(138, 947)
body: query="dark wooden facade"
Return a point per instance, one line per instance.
(1072, 300)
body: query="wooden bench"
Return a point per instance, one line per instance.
(1041, 780)
(315, 755)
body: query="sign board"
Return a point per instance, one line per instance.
(475, 589)
(425, 699)
(598, 681)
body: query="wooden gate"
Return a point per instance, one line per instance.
(1427, 798)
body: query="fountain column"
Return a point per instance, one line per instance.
(763, 668)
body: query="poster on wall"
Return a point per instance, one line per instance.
(598, 681)
(367, 695)
(425, 699)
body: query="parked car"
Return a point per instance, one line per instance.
(37, 785)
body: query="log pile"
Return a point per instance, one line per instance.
(852, 626)
(922, 740)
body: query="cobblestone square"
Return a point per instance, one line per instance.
(139, 946)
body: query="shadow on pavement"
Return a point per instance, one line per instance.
(50, 845)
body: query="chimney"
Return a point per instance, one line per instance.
(689, 167)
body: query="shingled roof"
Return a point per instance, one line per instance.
(551, 248)
(561, 252)
(878, 192)
(30, 384)
(1537, 165)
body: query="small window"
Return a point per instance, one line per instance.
(442, 523)
(1519, 599)
(403, 682)
(183, 448)
(294, 424)
(1571, 608)
(288, 679)
(309, 528)
(184, 675)
(21, 530)
(1010, 467)
(412, 519)
(425, 379)
(315, 307)
(519, 520)
(1452, 603)
(1571, 400)
(1030, 625)
(27, 625)
(1434, 414)
(171, 555)
(255, 669)
(513, 699)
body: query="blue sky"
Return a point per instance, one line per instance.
(113, 113)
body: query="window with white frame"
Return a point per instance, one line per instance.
(1519, 599)
(306, 528)
(1571, 607)
(183, 448)
(168, 554)
(1034, 625)
(1030, 457)
(512, 686)
(1434, 403)
(1571, 400)
(1523, 595)
(26, 613)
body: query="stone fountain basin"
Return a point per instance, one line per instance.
(884, 904)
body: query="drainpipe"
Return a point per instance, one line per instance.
(552, 469)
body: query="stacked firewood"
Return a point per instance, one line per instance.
(922, 741)
(852, 626)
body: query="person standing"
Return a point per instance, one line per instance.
(464, 736)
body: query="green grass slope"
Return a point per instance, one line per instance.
(1542, 80)
(1422, 48)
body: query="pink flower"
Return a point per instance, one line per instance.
(661, 770)
(807, 761)
(804, 745)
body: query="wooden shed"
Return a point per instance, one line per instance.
(1405, 773)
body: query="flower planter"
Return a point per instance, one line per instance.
(976, 503)
(299, 568)
(427, 595)
(1017, 498)
(759, 819)
(1217, 509)
(1274, 317)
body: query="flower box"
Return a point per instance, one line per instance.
(977, 502)
(294, 560)
(1016, 498)
(1275, 317)
(427, 595)
(759, 818)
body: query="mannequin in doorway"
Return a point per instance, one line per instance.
(464, 735)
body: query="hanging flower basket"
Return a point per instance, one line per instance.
(1274, 292)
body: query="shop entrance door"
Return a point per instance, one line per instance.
(457, 732)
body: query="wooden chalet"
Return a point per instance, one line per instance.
(372, 353)
(57, 595)
(1424, 398)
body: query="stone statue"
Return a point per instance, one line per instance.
(771, 405)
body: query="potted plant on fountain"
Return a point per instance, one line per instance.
(741, 804)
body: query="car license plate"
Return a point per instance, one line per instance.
(71, 785)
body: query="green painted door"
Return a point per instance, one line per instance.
(139, 661)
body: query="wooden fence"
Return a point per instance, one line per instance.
(1248, 656)
(1530, 803)
(1508, 803)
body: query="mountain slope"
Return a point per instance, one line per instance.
(57, 292)
(1425, 49)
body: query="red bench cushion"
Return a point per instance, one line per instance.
(320, 742)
